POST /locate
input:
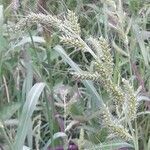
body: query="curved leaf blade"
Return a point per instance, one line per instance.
(28, 109)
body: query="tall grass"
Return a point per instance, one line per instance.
(74, 75)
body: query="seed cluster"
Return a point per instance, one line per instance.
(33, 18)
(130, 106)
(124, 99)
(72, 22)
(113, 127)
(71, 41)
(86, 76)
(115, 92)
(106, 55)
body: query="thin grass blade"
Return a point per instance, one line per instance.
(28, 109)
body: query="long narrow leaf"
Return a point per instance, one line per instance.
(112, 146)
(55, 136)
(6, 111)
(140, 40)
(28, 108)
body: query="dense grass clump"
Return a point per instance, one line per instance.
(74, 75)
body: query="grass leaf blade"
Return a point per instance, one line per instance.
(28, 108)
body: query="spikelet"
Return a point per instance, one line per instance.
(101, 76)
(72, 22)
(113, 127)
(33, 18)
(120, 131)
(131, 101)
(86, 76)
(81, 141)
(105, 69)
(71, 41)
(106, 55)
(106, 116)
(114, 91)
(101, 69)
(95, 46)
(106, 50)
(102, 49)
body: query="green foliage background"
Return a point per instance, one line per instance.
(32, 61)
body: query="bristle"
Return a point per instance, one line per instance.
(71, 41)
(72, 22)
(130, 105)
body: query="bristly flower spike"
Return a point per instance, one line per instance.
(72, 22)
(131, 103)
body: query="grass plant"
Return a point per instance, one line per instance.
(74, 74)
